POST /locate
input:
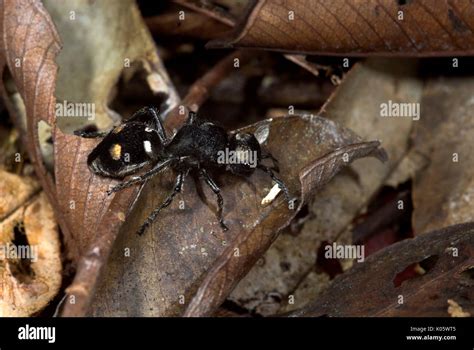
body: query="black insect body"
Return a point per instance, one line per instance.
(127, 148)
(197, 147)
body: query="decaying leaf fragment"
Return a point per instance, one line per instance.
(14, 192)
(443, 193)
(368, 289)
(30, 261)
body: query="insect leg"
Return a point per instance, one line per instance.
(142, 178)
(192, 116)
(279, 182)
(90, 134)
(159, 125)
(177, 188)
(220, 201)
(274, 160)
(160, 130)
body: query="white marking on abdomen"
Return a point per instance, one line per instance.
(147, 146)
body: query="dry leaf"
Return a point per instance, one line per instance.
(15, 191)
(27, 285)
(362, 27)
(369, 290)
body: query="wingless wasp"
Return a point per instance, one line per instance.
(141, 143)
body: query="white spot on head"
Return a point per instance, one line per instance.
(147, 146)
(148, 129)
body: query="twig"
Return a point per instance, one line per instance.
(311, 67)
(208, 11)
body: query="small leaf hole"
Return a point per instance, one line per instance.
(467, 277)
(21, 267)
(415, 270)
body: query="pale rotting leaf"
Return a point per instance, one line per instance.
(372, 27)
(15, 191)
(450, 252)
(443, 192)
(30, 266)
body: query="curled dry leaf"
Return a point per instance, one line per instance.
(363, 27)
(91, 63)
(30, 260)
(356, 104)
(446, 257)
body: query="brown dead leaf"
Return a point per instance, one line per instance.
(29, 283)
(369, 290)
(362, 27)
